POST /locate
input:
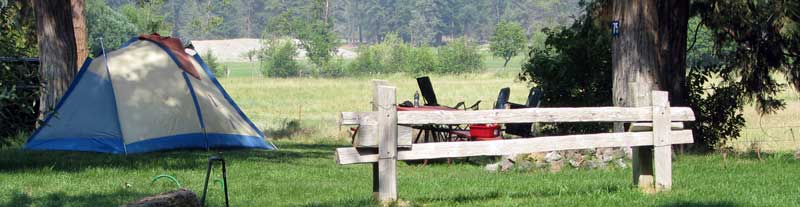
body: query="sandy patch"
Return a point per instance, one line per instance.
(233, 50)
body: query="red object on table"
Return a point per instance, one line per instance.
(483, 130)
(425, 108)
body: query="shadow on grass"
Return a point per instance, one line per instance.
(345, 202)
(62, 199)
(751, 155)
(700, 204)
(484, 196)
(15, 159)
(288, 128)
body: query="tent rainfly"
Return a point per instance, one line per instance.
(146, 96)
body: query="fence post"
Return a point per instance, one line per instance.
(387, 147)
(642, 159)
(375, 182)
(662, 146)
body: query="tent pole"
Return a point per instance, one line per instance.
(108, 71)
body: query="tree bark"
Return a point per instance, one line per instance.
(57, 50)
(648, 54)
(81, 35)
(634, 53)
(651, 48)
(671, 56)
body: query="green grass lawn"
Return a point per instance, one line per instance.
(303, 172)
(305, 175)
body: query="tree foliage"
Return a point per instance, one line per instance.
(732, 61)
(571, 74)
(211, 61)
(394, 56)
(763, 38)
(104, 22)
(431, 22)
(18, 81)
(460, 56)
(277, 59)
(507, 40)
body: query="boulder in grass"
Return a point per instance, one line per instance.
(555, 166)
(179, 198)
(552, 157)
(620, 163)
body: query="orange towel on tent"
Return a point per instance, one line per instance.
(176, 47)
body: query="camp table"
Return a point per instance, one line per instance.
(432, 133)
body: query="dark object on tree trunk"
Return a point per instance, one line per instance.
(211, 161)
(179, 198)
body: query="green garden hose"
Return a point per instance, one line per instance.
(173, 179)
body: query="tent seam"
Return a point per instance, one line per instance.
(197, 108)
(229, 99)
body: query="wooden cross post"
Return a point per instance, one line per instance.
(640, 95)
(386, 100)
(662, 145)
(375, 182)
(652, 166)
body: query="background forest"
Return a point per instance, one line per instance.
(355, 21)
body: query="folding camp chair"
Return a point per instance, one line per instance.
(502, 100)
(525, 129)
(429, 96)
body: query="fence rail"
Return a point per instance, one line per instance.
(652, 169)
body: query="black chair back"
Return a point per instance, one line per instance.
(502, 98)
(426, 89)
(526, 129)
(534, 98)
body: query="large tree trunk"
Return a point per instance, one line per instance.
(674, 19)
(649, 54)
(651, 48)
(57, 50)
(81, 35)
(634, 53)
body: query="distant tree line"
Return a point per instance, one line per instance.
(354, 21)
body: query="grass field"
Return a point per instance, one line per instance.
(303, 172)
(305, 175)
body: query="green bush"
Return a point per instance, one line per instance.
(369, 61)
(211, 62)
(460, 56)
(572, 75)
(394, 56)
(278, 59)
(423, 60)
(19, 91)
(333, 68)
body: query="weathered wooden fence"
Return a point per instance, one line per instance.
(652, 127)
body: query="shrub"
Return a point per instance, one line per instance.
(18, 80)
(333, 68)
(278, 59)
(460, 56)
(423, 60)
(369, 61)
(394, 56)
(572, 75)
(211, 62)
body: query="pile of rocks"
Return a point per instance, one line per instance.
(599, 158)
